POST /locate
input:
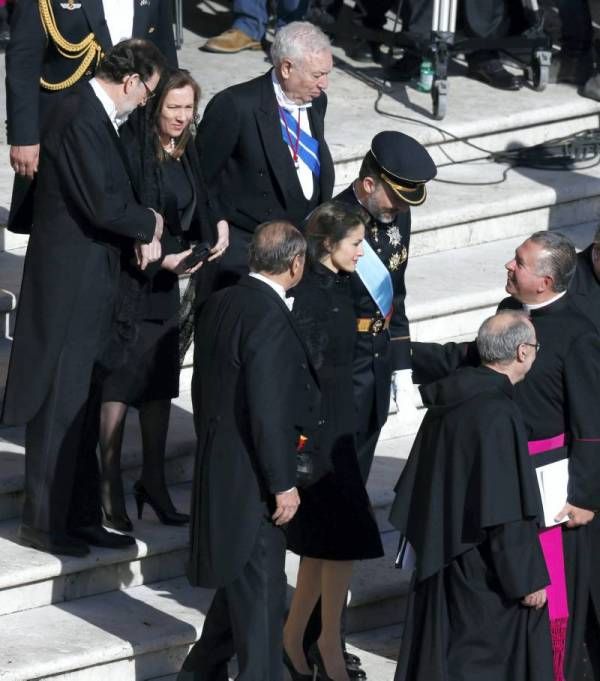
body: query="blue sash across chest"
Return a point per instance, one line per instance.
(307, 146)
(376, 278)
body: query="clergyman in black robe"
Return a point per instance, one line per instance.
(559, 403)
(468, 505)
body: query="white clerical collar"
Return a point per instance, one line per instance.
(278, 288)
(537, 306)
(283, 100)
(107, 104)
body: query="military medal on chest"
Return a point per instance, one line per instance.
(397, 258)
(394, 236)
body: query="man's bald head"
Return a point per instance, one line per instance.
(507, 344)
(274, 246)
(499, 336)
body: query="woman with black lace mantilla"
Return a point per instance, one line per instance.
(334, 524)
(144, 366)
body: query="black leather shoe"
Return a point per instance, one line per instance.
(356, 673)
(56, 544)
(493, 73)
(351, 659)
(363, 51)
(98, 536)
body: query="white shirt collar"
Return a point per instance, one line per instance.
(537, 306)
(283, 100)
(278, 288)
(107, 104)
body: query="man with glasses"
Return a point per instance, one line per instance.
(467, 505)
(262, 145)
(86, 214)
(560, 406)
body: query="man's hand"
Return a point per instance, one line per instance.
(577, 516)
(222, 240)
(158, 225)
(24, 159)
(174, 263)
(535, 600)
(287, 505)
(147, 253)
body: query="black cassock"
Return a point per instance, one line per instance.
(559, 395)
(467, 502)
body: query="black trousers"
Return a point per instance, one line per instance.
(478, 18)
(246, 618)
(61, 469)
(577, 31)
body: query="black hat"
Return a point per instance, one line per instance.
(405, 165)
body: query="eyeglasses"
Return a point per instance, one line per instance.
(537, 346)
(149, 93)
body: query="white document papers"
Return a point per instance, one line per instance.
(552, 481)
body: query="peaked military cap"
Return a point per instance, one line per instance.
(405, 165)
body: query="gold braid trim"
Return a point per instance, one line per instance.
(87, 50)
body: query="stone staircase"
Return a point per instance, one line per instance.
(130, 614)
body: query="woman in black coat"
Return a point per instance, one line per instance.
(164, 158)
(334, 524)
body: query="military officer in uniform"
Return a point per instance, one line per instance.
(391, 179)
(54, 45)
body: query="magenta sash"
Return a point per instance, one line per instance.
(552, 547)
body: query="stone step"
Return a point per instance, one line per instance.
(145, 631)
(498, 203)
(30, 578)
(377, 649)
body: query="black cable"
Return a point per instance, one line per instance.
(577, 148)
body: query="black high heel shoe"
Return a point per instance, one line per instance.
(166, 516)
(295, 675)
(316, 661)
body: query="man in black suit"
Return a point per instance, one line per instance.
(262, 145)
(38, 73)
(85, 213)
(257, 394)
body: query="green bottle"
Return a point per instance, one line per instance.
(426, 76)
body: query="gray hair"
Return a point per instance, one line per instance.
(558, 259)
(499, 336)
(296, 40)
(273, 247)
(597, 236)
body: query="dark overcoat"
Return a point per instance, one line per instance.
(248, 169)
(85, 197)
(584, 288)
(256, 393)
